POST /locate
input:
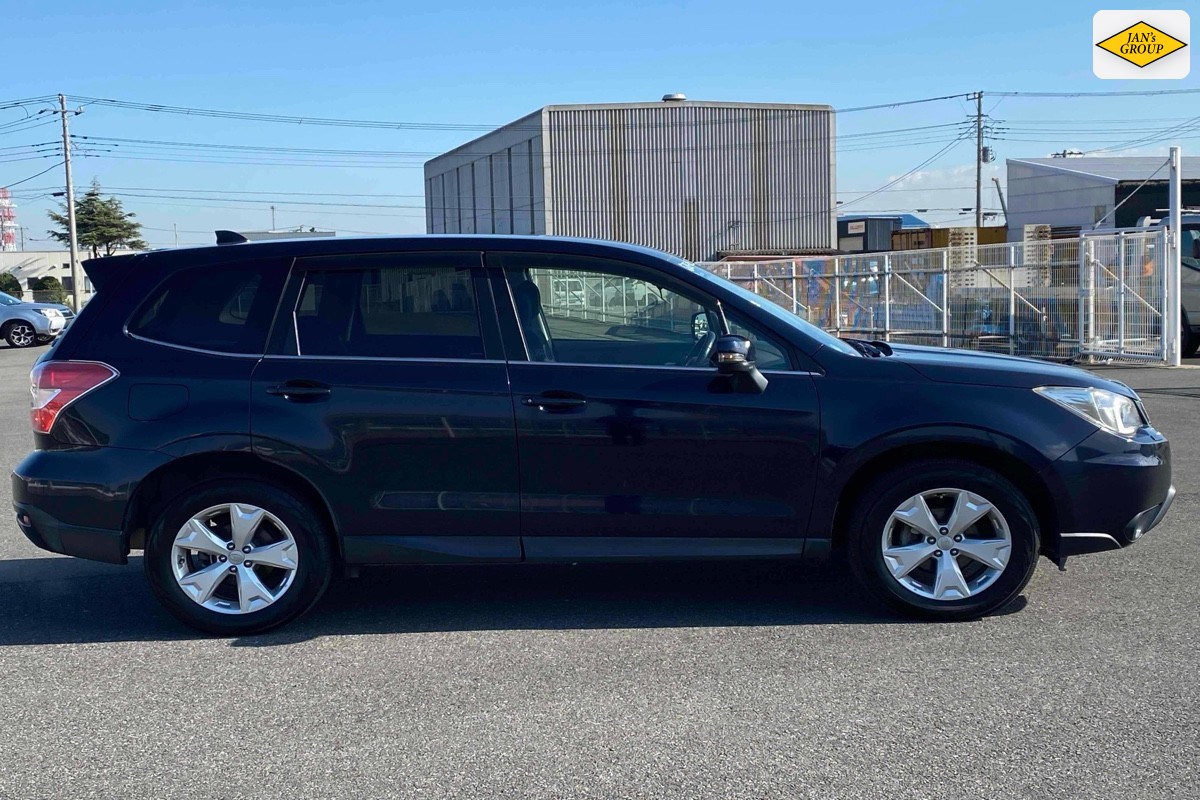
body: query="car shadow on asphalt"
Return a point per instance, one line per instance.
(58, 601)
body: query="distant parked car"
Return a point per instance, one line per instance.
(26, 324)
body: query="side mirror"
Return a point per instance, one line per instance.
(733, 356)
(699, 325)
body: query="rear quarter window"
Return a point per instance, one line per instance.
(224, 308)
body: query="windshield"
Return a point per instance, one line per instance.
(1189, 249)
(8, 300)
(820, 335)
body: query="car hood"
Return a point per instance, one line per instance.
(993, 369)
(35, 306)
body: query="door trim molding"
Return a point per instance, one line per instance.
(634, 548)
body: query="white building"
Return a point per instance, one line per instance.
(1070, 194)
(28, 265)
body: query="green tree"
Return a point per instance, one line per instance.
(101, 224)
(49, 289)
(10, 285)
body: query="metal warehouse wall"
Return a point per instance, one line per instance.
(693, 178)
(494, 184)
(1040, 196)
(690, 178)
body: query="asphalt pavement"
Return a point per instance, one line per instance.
(655, 681)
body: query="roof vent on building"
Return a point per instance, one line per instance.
(674, 97)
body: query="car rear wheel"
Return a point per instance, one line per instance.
(237, 558)
(944, 539)
(20, 334)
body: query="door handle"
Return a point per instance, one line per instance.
(555, 401)
(300, 392)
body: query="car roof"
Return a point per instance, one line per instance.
(101, 270)
(302, 247)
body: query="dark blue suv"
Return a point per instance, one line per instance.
(255, 416)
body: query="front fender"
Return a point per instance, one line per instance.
(923, 441)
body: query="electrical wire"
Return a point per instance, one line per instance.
(1152, 93)
(252, 116)
(918, 167)
(31, 177)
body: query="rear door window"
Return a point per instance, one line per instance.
(225, 308)
(389, 307)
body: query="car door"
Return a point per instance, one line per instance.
(629, 443)
(385, 386)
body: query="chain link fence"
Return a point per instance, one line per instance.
(1099, 297)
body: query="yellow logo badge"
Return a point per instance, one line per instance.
(1141, 44)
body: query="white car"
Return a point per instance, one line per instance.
(26, 324)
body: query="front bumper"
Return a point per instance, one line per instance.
(1109, 492)
(48, 326)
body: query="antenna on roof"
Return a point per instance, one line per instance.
(230, 237)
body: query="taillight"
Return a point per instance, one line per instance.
(54, 385)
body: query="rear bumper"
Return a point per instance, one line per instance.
(49, 533)
(74, 501)
(1110, 491)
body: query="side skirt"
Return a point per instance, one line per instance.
(636, 548)
(364, 550)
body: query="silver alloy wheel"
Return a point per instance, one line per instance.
(234, 558)
(946, 544)
(21, 334)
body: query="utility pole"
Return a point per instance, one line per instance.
(272, 217)
(1172, 313)
(175, 227)
(72, 237)
(979, 159)
(1003, 205)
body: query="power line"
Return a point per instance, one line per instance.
(1143, 93)
(1152, 139)
(920, 166)
(903, 103)
(253, 116)
(287, 193)
(31, 177)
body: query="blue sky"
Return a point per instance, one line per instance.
(485, 63)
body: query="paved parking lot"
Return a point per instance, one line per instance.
(749, 680)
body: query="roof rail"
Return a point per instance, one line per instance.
(230, 237)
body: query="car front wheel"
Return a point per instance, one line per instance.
(237, 558)
(944, 539)
(20, 334)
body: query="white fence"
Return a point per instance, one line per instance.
(1100, 297)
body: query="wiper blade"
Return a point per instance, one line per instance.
(882, 346)
(868, 349)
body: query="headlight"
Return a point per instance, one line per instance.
(52, 313)
(1113, 412)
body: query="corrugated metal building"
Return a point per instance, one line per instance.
(1075, 193)
(691, 178)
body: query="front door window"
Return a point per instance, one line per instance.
(591, 311)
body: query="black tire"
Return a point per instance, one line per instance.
(313, 556)
(1189, 342)
(19, 333)
(890, 491)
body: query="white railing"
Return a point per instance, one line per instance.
(1093, 297)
